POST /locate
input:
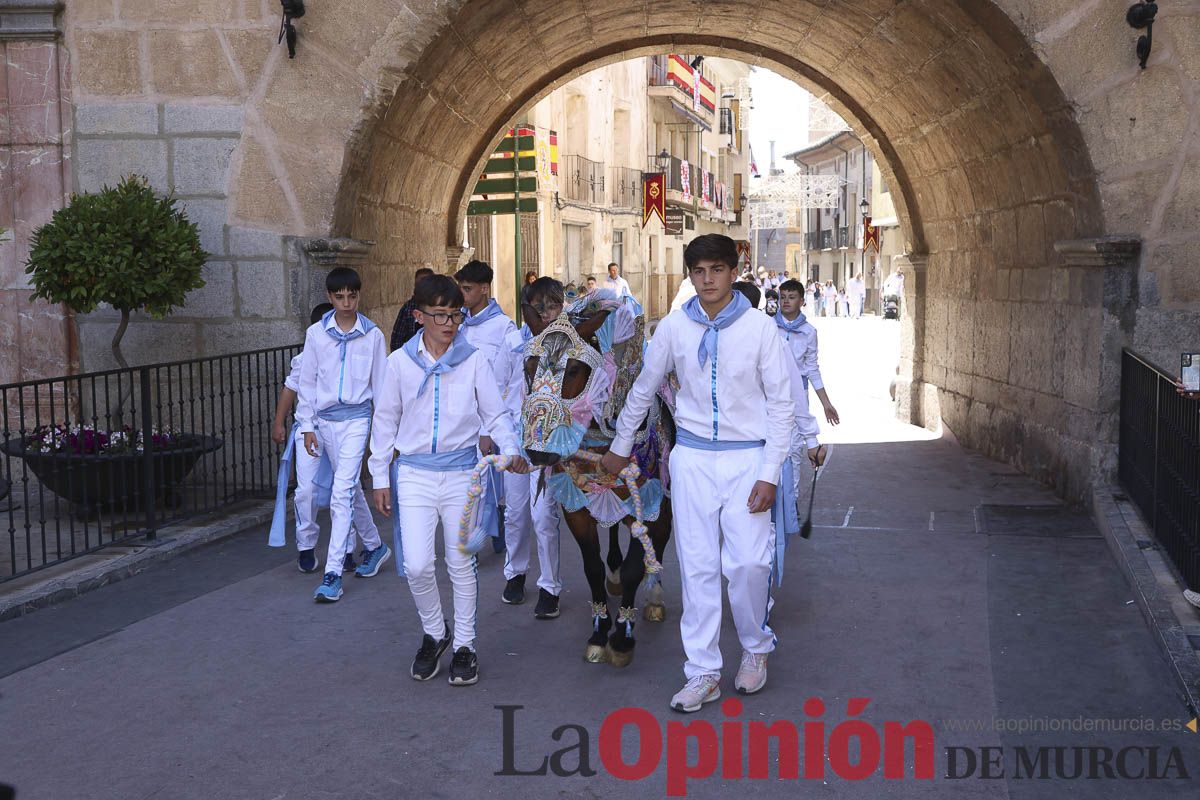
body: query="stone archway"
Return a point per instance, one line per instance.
(977, 137)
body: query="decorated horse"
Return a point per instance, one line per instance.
(578, 371)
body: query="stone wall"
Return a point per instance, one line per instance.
(35, 119)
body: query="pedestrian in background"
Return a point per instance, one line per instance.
(406, 324)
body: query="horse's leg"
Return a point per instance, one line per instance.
(613, 578)
(660, 533)
(621, 644)
(583, 528)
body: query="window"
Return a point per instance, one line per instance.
(618, 249)
(572, 253)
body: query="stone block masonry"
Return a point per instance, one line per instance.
(187, 150)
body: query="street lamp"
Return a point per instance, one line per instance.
(663, 161)
(865, 208)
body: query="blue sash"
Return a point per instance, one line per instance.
(346, 411)
(453, 461)
(688, 439)
(786, 516)
(323, 481)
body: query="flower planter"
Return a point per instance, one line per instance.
(112, 479)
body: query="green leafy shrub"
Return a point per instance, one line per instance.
(123, 246)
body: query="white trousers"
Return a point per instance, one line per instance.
(345, 442)
(715, 534)
(424, 499)
(543, 515)
(856, 305)
(305, 498)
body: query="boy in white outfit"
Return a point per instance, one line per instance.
(545, 298)
(307, 469)
(486, 327)
(738, 402)
(341, 373)
(437, 391)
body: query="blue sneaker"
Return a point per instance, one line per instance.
(372, 560)
(307, 561)
(330, 590)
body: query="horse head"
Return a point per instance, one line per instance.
(566, 382)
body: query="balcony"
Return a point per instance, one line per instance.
(826, 240)
(582, 180)
(812, 240)
(726, 121)
(672, 78)
(626, 187)
(843, 238)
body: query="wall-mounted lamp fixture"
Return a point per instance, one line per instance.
(1141, 15)
(663, 161)
(292, 9)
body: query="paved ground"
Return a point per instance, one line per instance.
(941, 585)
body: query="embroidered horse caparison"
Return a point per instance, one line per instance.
(578, 372)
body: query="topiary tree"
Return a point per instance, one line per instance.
(123, 246)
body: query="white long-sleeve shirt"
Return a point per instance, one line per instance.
(292, 381)
(407, 424)
(328, 380)
(802, 346)
(510, 373)
(805, 422)
(750, 398)
(488, 338)
(618, 285)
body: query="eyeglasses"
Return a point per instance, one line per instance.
(444, 319)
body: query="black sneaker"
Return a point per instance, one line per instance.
(306, 561)
(464, 667)
(427, 663)
(514, 590)
(348, 563)
(547, 605)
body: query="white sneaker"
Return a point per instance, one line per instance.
(695, 693)
(752, 674)
(1192, 597)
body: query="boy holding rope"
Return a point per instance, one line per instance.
(437, 390)
(738, 403)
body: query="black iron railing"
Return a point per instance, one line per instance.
(1159, 460)
(104, 457)
(583, 180)
(626, 185)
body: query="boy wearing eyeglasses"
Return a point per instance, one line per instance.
(340, 376)
(437, 391)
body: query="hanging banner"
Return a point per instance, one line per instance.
(706, 188)
(685, 181)
(654, 197)
(870, 235)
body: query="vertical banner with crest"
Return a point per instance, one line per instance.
(654, 197)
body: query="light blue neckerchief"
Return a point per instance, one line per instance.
(526, 335)
(729, 314)
(793, 326)
(345, 338)
(492, 309)
(460, 349)
(323, 481)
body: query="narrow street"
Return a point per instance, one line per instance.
(943, 586)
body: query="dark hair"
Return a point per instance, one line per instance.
(421, 273)
(772, 294)
(530, 274)
(589, 278)
(711, 247)
(340, 278)
(474, 272)
(437, 290)
(747, 288)
(614, 264)
(546, 287)
(319, 311)
(791, 285)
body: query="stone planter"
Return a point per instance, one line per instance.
(92, 482)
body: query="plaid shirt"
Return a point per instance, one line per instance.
(405, 328)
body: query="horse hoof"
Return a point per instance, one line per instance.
(654, 612)
(596, 654)
(614, 589)
(617, 658)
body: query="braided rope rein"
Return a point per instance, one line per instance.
(627, 476)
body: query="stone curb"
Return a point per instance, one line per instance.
(173, 541)
(1168, 631)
